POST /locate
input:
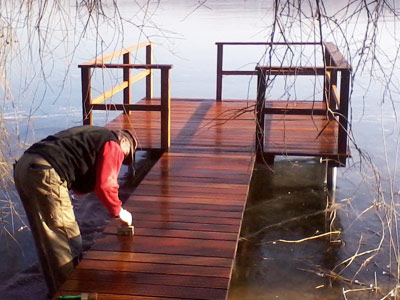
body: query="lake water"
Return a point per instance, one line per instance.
(184, 35)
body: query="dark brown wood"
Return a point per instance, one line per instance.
(165, 110)
(130, 66)
(126, 78)
(297, 71)
(105, 296)
(125, 107)
(146, 290)
(344, 108)
(220, 53)
(150, 278)
(191, 234)
(186, 260)
(167, 245)
(336, 57)
(187, 210)
(269, 44)
(86, 96)
(109, 56)
(155, 268)
(260, 113)
(149, 77)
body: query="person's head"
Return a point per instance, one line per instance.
(128, 144)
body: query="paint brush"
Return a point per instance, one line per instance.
(83, 296)
(125, 230)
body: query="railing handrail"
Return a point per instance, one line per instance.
(90, 104)
(334, 55)
(102, 58)
(269, 43)
(336, 98)
(129, 66)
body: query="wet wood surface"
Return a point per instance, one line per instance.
(188, 209)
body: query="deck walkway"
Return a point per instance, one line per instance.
(187, 210)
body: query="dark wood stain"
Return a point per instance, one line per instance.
(188, 209)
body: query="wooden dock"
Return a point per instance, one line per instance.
(188, 209)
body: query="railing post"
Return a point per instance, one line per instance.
(149, 77)
(344, 110)
(329, 82)
(127, 75)
(220, 53)
(327, 63)
(86, 96)
(260, 105)
(165, 109)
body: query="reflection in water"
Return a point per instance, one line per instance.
(286, 202)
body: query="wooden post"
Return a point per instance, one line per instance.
(86, 96)
(331, 175)
(127, 75)
(149, 78)
(220, 53)
(327, 63)
(329, 83)
(165, 109)
(344, 110)
(260, 105)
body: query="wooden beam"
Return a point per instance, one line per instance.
(126, 78)
(116, 89)
(165, 109)
(111, 92)
(132, 66)
(125, 107)
(220, 57)
(260, 106)
(101, 59)
(343, 117)
(267, 44)
(149, 76)
(337, 58)
(295, 111)
(86, 96)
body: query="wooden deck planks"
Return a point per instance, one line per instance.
(188, 209)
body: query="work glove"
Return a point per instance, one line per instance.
(125, 217)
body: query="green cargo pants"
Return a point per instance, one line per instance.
(51, 217)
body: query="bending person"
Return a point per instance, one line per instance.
(82, 159)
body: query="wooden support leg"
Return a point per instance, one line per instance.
(331, 174)
(269, 159)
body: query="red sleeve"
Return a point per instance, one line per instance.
(108, 166)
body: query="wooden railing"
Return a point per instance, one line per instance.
(220, 61)
(337, 66)
(89, 104)
(336, 99)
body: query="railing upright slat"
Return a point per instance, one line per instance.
(344, 110)
(165, 109)
(336, 68)
(86, 96)
(260, 111)
(149, 77)
(220, 53)
(126, 77)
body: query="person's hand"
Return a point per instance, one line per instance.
(125, 217)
